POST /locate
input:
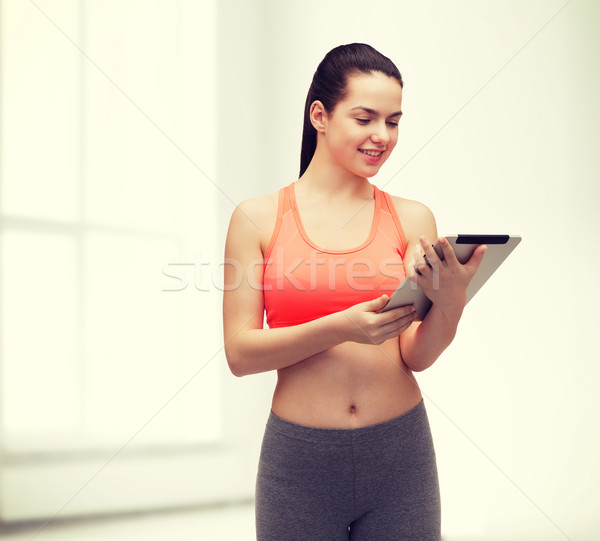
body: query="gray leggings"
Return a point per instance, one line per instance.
(376, 483)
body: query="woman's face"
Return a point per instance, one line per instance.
(362, 130)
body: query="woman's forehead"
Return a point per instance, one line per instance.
(374, 91)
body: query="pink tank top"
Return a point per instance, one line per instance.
(303, 281)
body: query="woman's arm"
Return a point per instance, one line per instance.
(445, 284)
(251, 349)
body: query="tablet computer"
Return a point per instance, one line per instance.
(499, 248)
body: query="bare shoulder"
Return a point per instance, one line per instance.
(258, 209)
(255, 218)
(416, 218)
(409, 208)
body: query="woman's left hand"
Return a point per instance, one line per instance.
(445, 281)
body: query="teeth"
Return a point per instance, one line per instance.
(371, 152)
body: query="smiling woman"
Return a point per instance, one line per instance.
(365, 134)
(347, 452)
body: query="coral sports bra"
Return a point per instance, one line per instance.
(302, 281)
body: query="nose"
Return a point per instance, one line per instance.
(381, 134)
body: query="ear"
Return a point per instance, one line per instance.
(318, 116)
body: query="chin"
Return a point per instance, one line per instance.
(365, 172)
(369, 173)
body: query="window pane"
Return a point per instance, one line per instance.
(109, 346)
(155, 113)
(137, 347)
(40, 112)
(39, 336)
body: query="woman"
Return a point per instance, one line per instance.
(347, 452)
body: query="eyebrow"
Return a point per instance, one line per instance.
(373, 112)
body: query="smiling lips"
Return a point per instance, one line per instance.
(374, 153)
(371, 156)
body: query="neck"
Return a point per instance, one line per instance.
(324, 175)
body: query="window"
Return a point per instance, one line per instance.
(106, 195)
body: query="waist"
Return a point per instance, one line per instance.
(415, 415)
(348, 386)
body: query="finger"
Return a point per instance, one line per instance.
(393, 332)
(431, 256)
(417, 270)
(417, 254)
(425, 270)
(398, 322)
(476, 258)
(412, 264)
(449, 255)
(376, 304)
(422, 280)
(411, 271)
(397, 313)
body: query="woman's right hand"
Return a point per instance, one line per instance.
(364, 323)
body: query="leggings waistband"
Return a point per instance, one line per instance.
(401, 423)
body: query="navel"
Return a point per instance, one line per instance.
(352, 409)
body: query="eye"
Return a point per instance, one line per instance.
(363, 121)
(394, 124)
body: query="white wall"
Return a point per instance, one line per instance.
(111, 370)
(501, 111)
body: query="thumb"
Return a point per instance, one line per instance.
(379, 303)
(477, 257)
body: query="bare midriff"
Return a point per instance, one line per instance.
(348, 386)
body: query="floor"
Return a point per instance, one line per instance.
(224, 523)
